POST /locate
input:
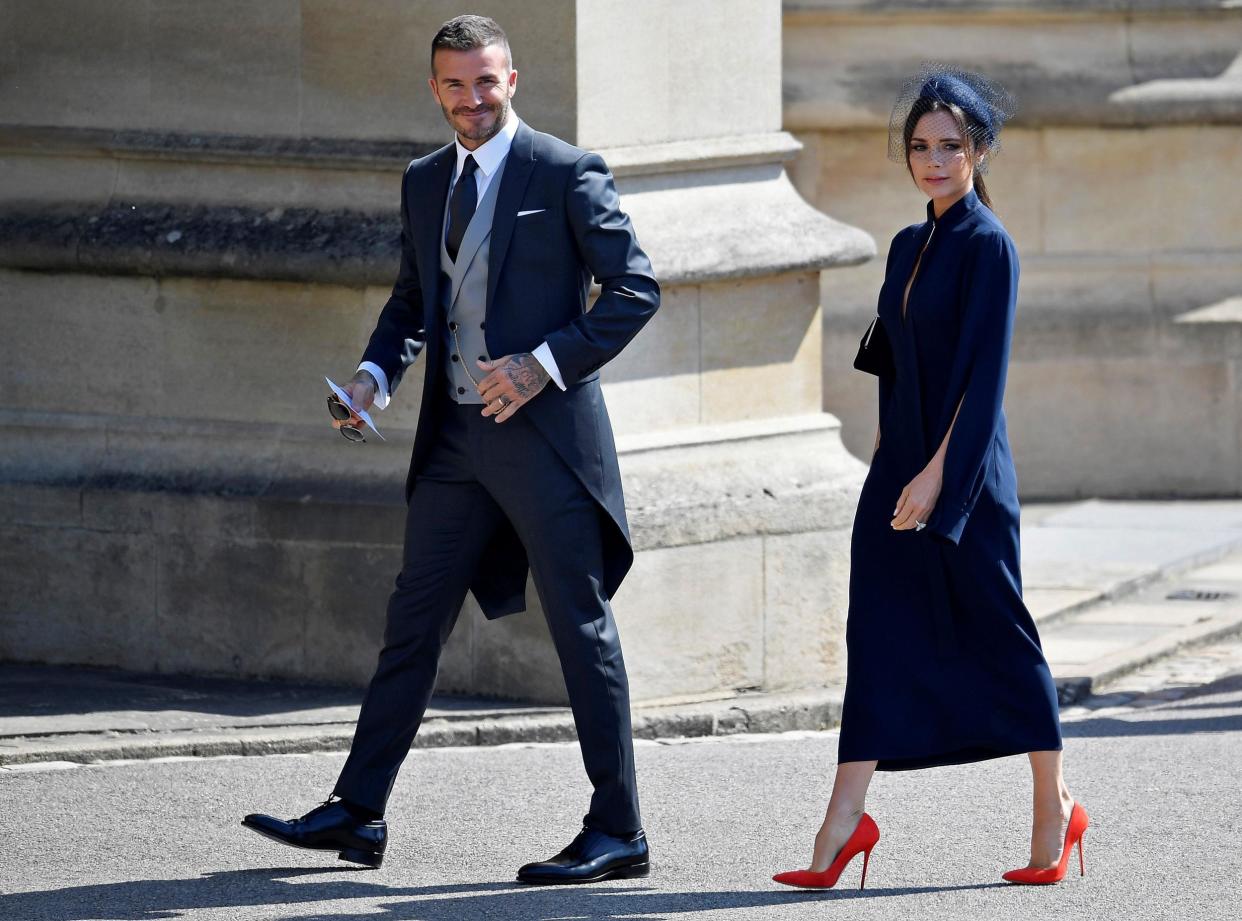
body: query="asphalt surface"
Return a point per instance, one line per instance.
(161, 839)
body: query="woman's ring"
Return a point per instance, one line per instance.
(918, 525)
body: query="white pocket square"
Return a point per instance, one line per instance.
(536, 211)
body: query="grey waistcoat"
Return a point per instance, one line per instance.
(463, 295)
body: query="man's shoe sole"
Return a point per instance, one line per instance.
(632, 871)
(371, 859)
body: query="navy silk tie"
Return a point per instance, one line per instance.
(464, 200)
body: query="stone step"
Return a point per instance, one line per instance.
(474, 726)
(1105, 641)
(1078, 555)
(1098, 577)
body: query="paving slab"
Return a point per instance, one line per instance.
(1226, 569)
(1161, 614)
(1075, 555)
(1081, 643)
(1099, 645)
(1110, 559)
(1163, 516)
(1049, 603)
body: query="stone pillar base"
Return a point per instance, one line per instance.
(739, 581)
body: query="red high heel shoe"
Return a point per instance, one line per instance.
(1043, 876)
(863, 839)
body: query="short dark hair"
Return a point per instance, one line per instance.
(465, 33)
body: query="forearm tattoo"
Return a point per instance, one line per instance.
(526, 374)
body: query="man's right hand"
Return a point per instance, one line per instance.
(361, 390)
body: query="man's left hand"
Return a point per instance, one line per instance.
(511, 383)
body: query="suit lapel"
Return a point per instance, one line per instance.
(432, 196)
(518, 167)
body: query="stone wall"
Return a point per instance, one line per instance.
(1116, 183)
(279, 68)
(198, 203)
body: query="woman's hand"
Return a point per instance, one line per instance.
(919, 497)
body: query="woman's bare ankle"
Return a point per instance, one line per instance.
(845, 816)
(832, 835)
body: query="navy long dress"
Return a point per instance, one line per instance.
(944, 661)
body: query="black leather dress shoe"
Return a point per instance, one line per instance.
(591, 857)
(330, 827)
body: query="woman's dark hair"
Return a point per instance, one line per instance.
(971, 131)
(465, 33)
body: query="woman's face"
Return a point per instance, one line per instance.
(939, 161)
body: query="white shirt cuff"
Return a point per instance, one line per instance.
(381, 396)
(543, 355)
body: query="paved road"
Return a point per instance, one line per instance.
(1155, 762)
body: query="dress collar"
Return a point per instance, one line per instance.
(488, 156)
(958, 210)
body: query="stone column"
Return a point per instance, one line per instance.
(201, 231)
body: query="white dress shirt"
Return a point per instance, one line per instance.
(488, 157)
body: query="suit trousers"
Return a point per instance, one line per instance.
(478, 473)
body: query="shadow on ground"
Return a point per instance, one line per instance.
(48, 690)
(51, 690)
(1223, 696)
(141, 900)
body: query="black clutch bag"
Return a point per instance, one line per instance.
(875, 353)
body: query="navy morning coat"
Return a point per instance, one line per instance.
(539, 276)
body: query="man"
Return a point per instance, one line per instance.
(514, 465)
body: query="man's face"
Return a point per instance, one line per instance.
(473, 89)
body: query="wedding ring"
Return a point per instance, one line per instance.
(918, 525)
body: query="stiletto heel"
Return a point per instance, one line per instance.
(1042, 876)
(861, 841)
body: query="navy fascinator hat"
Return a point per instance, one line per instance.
(986, 104)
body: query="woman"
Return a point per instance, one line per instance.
(944, 661)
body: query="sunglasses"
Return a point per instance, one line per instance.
(342, 413)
